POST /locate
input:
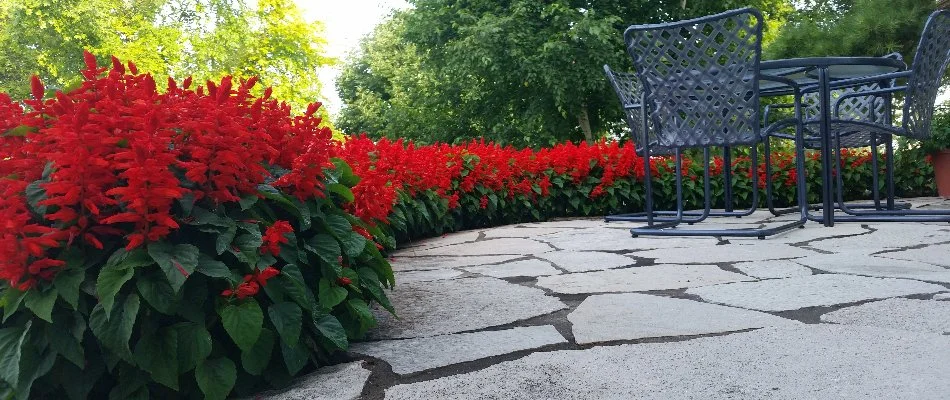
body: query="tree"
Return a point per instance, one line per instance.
(203, 38)
(516, 71)
(852, 28)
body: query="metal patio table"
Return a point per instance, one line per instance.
(818, 74)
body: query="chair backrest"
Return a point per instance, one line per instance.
(629, 92)
(700, 77)
(930, 64)
(871, 108)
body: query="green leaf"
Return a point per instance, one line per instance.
(256, 359)
(67, 283)
(130, 259)
(11, 347)
(247, 202)
(216, 378)
(339, 225)
(65, 341)
(115, 331)
(359, 309)
(41, 302)
(177, 261)
(330, 295)
(341, 190)
(157, 292)
(206, 217)
(11, 301)
(292, 281)
(157, 353)
(295, 358)
(345, 173)
(327, 248)
(34, 195)
(370, 281)
(243, 322)
(353, 243)
(331, 329)
(208, 266)
(33, 364)
(224, 239)
(110, 281)
(287, 318)
(194, 345)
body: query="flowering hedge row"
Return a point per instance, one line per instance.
(419, 191)
(205, 242)
(189, 242)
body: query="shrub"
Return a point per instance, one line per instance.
(175, 244)
(441, 188)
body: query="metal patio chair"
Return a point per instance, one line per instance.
(919, 94)
(630, 95)
(853, 108)
(701, 88)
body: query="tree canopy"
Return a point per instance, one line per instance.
(852, 28)
(201, 38)
(517, 71)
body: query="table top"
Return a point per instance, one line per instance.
(804, 71)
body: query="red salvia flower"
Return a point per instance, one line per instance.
(274, 237)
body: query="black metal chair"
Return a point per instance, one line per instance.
(700, 82)
(630, 95)
(847, 107)
(919, 95)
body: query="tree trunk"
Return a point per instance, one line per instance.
(584, 121)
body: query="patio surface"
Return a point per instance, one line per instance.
(577, 309)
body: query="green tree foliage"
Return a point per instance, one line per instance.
(203, 38)
(518, 71)
(852, 27)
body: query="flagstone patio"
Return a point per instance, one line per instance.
(578, 309)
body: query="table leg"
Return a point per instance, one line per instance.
(824, 127)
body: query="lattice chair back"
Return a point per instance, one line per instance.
(929, 67)
(629, 92)
(700, 77)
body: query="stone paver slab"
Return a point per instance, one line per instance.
(807, 362)
(489, 247)
(810, 291)
(403, 277)
(413, 355)
(887, 236)
(336, 382)
(521, 231)
(768, 269)
(444, 240)
(530, 267)
(937, 254)
(725, 253)
(579, 261)
(654, 277)
(912, 315)
(401, 261)
(811, 232)
(615, 239)
(458, 305)
(858, 264)
(628, 316)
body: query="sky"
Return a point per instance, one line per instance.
(345, 22)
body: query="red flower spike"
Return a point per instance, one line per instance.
(274, 237)
(344, 281)
(36, 87)
(90, 60)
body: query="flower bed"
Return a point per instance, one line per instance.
(167, 244)
(206, 242)
(419, 191)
